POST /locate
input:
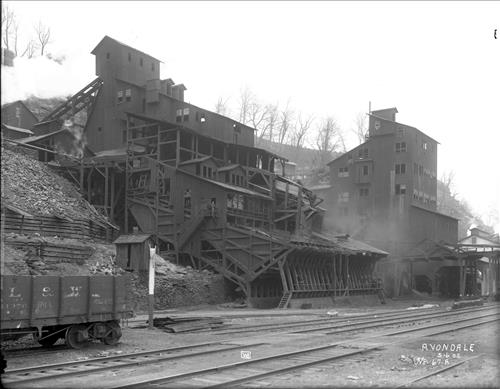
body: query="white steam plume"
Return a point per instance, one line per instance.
(45, 78)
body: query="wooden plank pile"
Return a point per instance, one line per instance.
(187, 324)
(53, 226)
(49, 251)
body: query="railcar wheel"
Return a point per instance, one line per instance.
(113, 335)
(77, 336)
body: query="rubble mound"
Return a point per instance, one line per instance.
(32, 186)
(177, 286)
(26, 259)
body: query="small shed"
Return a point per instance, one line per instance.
(132, 251)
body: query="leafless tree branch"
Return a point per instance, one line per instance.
(43, 35)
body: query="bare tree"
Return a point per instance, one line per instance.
(30, 49)
(286, 124)
(8, 23)
(301, 129)
(43, 35)
(246, 100)
(221, 107)
(360, 128)
(329, 139)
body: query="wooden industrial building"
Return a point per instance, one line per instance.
(194, 181)
(384, 192)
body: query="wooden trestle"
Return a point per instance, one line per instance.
(216, 205)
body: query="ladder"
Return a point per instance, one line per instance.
(285, 299)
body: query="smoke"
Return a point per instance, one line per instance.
(44, 78)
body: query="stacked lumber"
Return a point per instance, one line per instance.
(187, 324)
(50, 251)
(53, 226)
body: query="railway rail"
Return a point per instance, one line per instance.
(333, 322)
(284, 362)
(56, 371)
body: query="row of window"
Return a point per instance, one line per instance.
(182, 115)
(141, 60)
(421, 171)
(125, 95)
(424, 198)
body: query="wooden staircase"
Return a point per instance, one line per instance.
(191, 228)
(285, 300)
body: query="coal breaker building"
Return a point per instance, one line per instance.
(194, 181)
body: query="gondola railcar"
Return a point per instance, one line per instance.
(76, 308)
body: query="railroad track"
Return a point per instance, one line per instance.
(334, 323)
(246, 372)
(58, 370)
(16, 377)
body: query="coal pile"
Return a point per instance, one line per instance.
(32, 186)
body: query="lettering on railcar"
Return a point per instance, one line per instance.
(74, 291)
(47, 291)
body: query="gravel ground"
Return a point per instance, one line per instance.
(392, 365)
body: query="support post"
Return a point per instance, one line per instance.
(151, 295)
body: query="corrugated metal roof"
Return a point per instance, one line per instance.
(132, 238)
(350, 244)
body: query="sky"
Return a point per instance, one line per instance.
(437, 62)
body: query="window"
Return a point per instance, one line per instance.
(186, 114)
(18, 112)
(363, 192)
(343, 172)
(343, 197)
(187, 198)
(200, 117)
(204, 171)
(153, 67)
(363, 153)
(349, 159)
(365, 170)
(108, 55)
(129, 57)
(400, 168)
(178, 116)
(400, 147)
(237, 128)
(400, 189)
(124, 136)
(474, 240)
(425, 145)
(128, 95)
(400, 132)
(120, 97)
(141, 62)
